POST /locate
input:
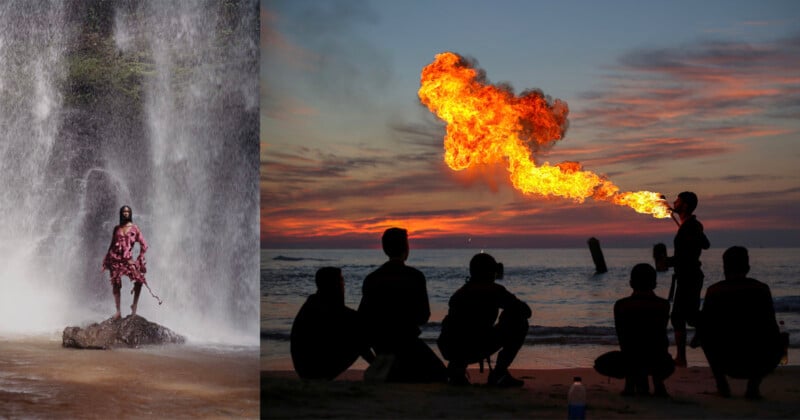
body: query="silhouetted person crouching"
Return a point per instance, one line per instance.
(641, 322)
(469, 333)
(394, 305)
(738, 331)
(327, 336)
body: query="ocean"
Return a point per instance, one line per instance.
(572, 306)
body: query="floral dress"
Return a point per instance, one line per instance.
(119, 259)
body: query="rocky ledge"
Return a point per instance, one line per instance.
(131, 331)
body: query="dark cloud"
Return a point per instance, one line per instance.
(309, 175)
(788, 106)
(705, 60)
(414, 183)
(647, 151)
(740, 178)
(296, 211)
(450, 212)
(760, 209)
(309, 165)
(428, 134)
(693, 99)
(763, 195)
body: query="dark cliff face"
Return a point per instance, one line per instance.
(105, 118)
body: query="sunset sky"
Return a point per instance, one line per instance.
(663, 96)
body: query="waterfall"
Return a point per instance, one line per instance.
(147, 103)
(32, 47)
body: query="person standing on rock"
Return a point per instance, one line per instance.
(119, 258)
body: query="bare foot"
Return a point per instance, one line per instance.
(116, 315)
(133, 309)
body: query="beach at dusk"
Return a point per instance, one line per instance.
(572, 325)
(521, 129)
(692, 396)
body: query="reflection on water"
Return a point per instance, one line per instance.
(39, 378)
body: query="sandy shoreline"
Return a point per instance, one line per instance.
(40, 379)
(692, 395)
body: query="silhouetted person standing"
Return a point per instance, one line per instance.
(394, 305)
(739, 333)
(327, 336)
(469, 332)
(689, 242)
(641, 321)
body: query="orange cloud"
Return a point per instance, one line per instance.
(667, 105)
(334, 226)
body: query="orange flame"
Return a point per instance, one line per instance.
(487, 125)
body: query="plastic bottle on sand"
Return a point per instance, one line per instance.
(576, 400)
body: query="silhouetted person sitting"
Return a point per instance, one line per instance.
(469, 333)
(327, 336)
(641, 321)
(394, 304)
(737, 328)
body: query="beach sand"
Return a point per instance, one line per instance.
(692, 395)
(40, 379)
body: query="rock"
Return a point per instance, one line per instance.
(131, 331)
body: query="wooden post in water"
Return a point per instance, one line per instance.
(660, 257)
(597, 255)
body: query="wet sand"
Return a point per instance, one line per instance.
(40, 379)
(692, 395)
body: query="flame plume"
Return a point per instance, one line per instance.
(487, 124)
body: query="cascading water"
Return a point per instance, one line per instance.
(32, 47)
(146, 103)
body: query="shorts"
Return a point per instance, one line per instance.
(686, 305)
(123, 268)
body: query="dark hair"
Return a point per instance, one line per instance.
(327, 279)
(643, 277)
(482, 267)
(736, 260)
(123, 220)
(690, 199)
(395, 242)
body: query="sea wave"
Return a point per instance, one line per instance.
(285, 258)
(787, 304)
(537, 334)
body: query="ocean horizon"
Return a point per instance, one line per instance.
(572, 305)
